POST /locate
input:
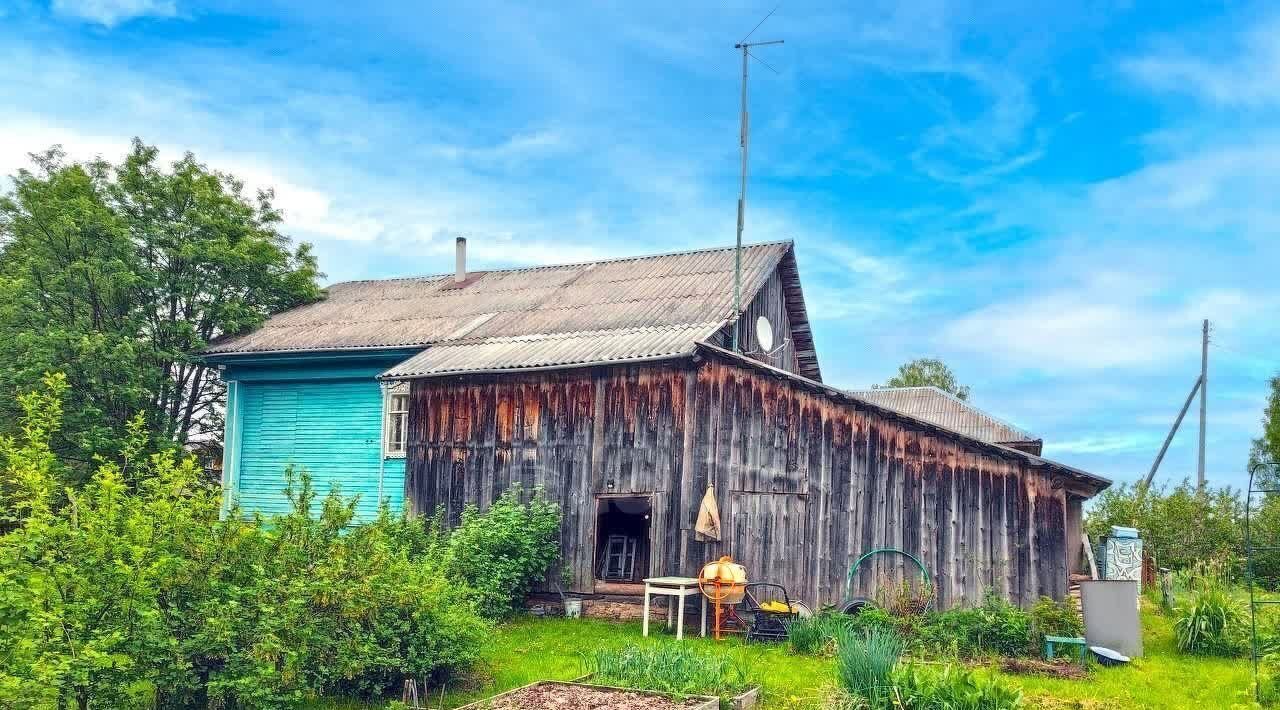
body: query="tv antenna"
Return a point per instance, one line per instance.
(743, 129)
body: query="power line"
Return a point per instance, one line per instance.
(761, 22)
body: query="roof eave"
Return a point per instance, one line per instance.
(1091, 483)
(387, 376)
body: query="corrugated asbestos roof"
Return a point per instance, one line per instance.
(600, 311)
(562, 350)
(944, 409)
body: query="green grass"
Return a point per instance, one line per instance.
(528, 650)
(1162, 678)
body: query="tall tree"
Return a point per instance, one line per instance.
(928, 371)
(118, 274)
(1267, 447)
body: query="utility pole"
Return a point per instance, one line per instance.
(743, 130)
(1201, 384)
(1204, 388)
(1146, 482)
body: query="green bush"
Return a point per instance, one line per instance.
(1179, 526)
(504, 551)
(132, 592)
(997, 627)
(877, 619)
(678, 669)
(334, 608)
(952, 689)
(865, 664)
(1054, 618)
(1211, 624)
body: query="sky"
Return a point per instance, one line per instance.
(1048, 198)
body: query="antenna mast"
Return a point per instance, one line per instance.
(743, 128)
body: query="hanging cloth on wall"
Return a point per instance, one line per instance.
(708, 525)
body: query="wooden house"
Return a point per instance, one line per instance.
(613, 386)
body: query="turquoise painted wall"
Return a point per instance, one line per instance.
(318, 413)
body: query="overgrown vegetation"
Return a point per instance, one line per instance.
(132, 592)
(1179, 527)
(673, 668)
(952, 688)
(996, 627)
(817, 634)
(1054, 618)
(865, 665)
(505, 550)
(117, 275)
(1211, 623)
(871, 675)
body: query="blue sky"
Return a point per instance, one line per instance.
(1048, 198)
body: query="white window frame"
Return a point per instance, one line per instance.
(395, 393)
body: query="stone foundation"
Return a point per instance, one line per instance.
(615, 608)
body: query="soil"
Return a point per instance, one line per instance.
(1058, 668)
(548, 696)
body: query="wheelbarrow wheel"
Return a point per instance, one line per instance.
(856, 606)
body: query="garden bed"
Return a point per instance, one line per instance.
(555, 695)
(746, 700)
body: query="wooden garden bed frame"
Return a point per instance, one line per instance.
(708, 702)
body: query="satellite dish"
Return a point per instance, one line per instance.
(764, 333)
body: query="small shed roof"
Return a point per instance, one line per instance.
(945, 409)
(600, 311)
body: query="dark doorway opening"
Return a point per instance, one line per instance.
(622, 539)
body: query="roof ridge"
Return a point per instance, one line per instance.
(588, 262)
(573, 333)
(1031, 436)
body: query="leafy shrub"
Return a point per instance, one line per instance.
(503, 551)
(1179, 525)
(1211, 624)
(876, 619)
(865, 665)
(336, 607)
(1054, 618)
(134, 593)
(996, 627)
(952, 689)
(678, 669)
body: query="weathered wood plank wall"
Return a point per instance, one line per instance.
(578, 434)
(811, 483)
(806, 482)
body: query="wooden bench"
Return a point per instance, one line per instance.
(1051, 644)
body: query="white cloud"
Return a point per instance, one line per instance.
(306, 208)
(1102, 444)
(1105, 320)
(110, 13)
(968, 149)
(1248, 76)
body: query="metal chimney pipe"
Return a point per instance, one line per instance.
(460, 268)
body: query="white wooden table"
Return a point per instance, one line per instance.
(679, 588)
